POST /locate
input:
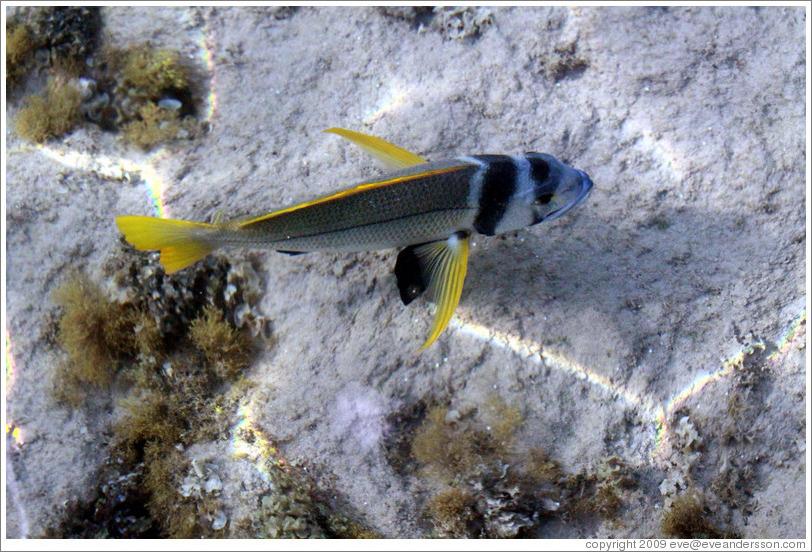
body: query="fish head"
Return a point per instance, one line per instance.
(555, 188)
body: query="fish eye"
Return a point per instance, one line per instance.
(543, 199)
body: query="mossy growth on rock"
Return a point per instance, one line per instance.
(453, 447)
(181, 372)
(157, 99)
(62, 36)
(96, 333)
(148, 93)
(688, 518)
(51, 114)
(183, 389)
(225, 349)
(453, 513)
(150, 72)
(466, 456)
(488, 485)
(19, 49)
(295, 508)
(154, 125)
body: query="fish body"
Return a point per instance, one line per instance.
(430, 208)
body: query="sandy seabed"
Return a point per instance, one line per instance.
(618, 330)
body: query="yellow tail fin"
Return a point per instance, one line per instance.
(180, 241)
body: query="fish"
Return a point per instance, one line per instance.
(429, 209)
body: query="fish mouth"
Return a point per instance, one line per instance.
(586, 187)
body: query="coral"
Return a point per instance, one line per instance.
(143, 91)
(68, 32)
(49, 115)
(183, 357)
(148, 95)
(458, 22)
(179, 516)
(294, 508)
(174, 301)
(118, 509)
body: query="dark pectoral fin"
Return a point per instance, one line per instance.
(410, 277)
(291, 253)
(439, 267)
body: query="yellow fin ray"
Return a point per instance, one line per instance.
(181, 242)
(392, 155)
(445, 264)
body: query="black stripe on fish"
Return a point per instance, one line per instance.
(498, 187)
(539, 169)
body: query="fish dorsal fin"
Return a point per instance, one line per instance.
(439, 267)
(393, 156)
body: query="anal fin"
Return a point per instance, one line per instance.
(439, 267)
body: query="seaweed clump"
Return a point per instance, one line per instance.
(187, 343)
(149, 72)
(152, 96)
(19, 49)
(296, 509)
(95, 332)
(184, 375)
(152, 126)
(488, 487)
(51, 114)
(468, 458)
(452, 512)
(225, 349)
(687, 519)
(144, 92)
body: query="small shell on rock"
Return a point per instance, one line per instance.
(188, 487)
(240, 313)
(213, 484)
(86, 88)
(219, 520)
(452, 416)
(197, 468)
(170, 103)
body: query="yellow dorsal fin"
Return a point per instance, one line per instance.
(395, 157)
(444, 264)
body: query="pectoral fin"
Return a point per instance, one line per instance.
(395, 157)
(439, 267)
